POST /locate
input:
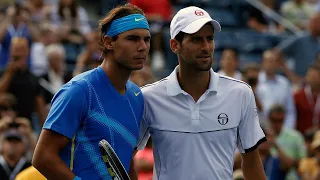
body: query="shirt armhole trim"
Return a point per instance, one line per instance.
(256, 145)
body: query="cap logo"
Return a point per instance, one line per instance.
(198, 13)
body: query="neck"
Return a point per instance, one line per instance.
(229, 72)
(193, 82)
(118, 75)
(270, 75)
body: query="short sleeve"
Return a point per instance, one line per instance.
(250, 134)
(69, 107)
(144, 134)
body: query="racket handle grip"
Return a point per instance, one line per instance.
(76, 178)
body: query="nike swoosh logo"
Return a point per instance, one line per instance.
(137, 94)
(136, 20)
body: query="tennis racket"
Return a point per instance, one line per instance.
(112, 161)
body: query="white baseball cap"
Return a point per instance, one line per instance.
(190, 20)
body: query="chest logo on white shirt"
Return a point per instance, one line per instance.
(223, 118)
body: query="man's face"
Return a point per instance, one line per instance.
(269, 63)
(313, 78)
(314, 25)
(196, 50)
(13, 148)
(131, 48)
(276, 121)
(229, 60)
(19, 53)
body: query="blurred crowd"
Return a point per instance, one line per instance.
(44, 43)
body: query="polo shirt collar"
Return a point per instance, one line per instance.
(174, 88)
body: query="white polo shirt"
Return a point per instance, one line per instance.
(197, 140)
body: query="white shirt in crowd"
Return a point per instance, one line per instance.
(276, 91)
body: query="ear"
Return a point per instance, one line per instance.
(108, 43)
(175, 46)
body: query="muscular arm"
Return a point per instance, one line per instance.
(46, 156)
(252, 166)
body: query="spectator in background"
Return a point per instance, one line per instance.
(55, 76)
(308, 138)
(15, 24)
(158, 13)
(289, 143)
(261, 22)
(12, 159)
(307, 101)
(309, 167)
(72, 23)
(275, 89)
(300, 51)
(298, 12)
(18, 80)
(91, 56)
(39, 11)
(8, 105)
(144, 161)
(22, 126)
(229, 64)
(273, 165)
(39, 59)
(142, 77)
(71, 20)
(250, 75)
(238, 175)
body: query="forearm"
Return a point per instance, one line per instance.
(285, 160)
(51, 166)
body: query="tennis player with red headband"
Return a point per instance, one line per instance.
(98, 104)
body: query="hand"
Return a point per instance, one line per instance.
(4, 123)
(24, 126)
(11, 11)
(12, 66)
(26, 17)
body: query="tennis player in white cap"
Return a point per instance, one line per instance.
(196, 117)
